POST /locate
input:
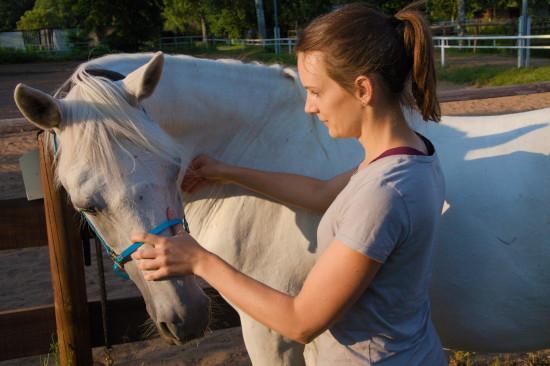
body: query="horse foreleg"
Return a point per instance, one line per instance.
(268, 348)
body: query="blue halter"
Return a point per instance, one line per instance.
(120, 259)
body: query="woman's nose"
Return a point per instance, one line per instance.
(310, 107)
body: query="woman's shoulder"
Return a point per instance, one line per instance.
(398, 172)
(399, 182)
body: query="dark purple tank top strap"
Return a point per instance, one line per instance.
(406, 150)
(402, 150)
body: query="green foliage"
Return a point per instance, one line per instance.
(233, 19)
(391, 6)
(44, 14)
(11, 11)
(184, 15)
(447, 9)
(223, 18)
(300, 12)
(229, 22)
(54, 14)
(124, 25)
(442, 9)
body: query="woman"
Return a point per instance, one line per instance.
(367, 296)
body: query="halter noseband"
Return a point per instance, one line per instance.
(120, 259)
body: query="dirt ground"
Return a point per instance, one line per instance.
(28, 269)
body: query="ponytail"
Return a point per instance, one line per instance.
(419, 50)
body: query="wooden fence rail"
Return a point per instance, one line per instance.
(31, 331)
(22, 224)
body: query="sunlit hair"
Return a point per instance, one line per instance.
(359, 40)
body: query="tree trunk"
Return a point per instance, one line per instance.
(261, 18)
(461, 10)
(203, 28)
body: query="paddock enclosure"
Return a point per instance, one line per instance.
(28, 331)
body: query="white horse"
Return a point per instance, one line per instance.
(491, 289)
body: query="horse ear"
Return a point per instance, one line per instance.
(39, 108)
(142, 82)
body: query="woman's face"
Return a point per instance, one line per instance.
(339, 110)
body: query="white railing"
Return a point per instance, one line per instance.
(471, 42)
(440, 42)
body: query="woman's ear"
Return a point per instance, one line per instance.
(363, 89)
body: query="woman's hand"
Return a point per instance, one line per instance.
(202, 171)
(177, 255)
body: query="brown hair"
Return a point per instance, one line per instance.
(359, 40)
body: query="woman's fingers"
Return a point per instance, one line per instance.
(147, 238)
(157, 275)
(149, 265)
(144, 253)
(201, 171)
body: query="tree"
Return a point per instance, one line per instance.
(124, 25)
(44, 14)
(55, 14)
(184, 15)
(230, 21)
(297, 14)
(11, 11)
(226, 18)
(442, 10)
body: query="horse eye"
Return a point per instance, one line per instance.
(89, 210)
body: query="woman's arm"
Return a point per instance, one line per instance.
(340, 276)
(295, 190)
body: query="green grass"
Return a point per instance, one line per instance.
(493, 75)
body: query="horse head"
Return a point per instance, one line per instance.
(123, 172)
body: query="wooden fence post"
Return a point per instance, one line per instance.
(66, 262)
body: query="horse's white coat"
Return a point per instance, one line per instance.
(491, 289)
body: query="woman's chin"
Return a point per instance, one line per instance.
(335, 135)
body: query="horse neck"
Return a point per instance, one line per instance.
(221, 109)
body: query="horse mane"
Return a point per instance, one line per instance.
(97, 115)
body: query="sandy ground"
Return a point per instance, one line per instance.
(25, 276)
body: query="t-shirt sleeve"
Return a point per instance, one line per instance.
(374, 222)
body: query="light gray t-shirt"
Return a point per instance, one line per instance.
(389, 212)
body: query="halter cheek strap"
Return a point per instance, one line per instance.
(120, 259)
